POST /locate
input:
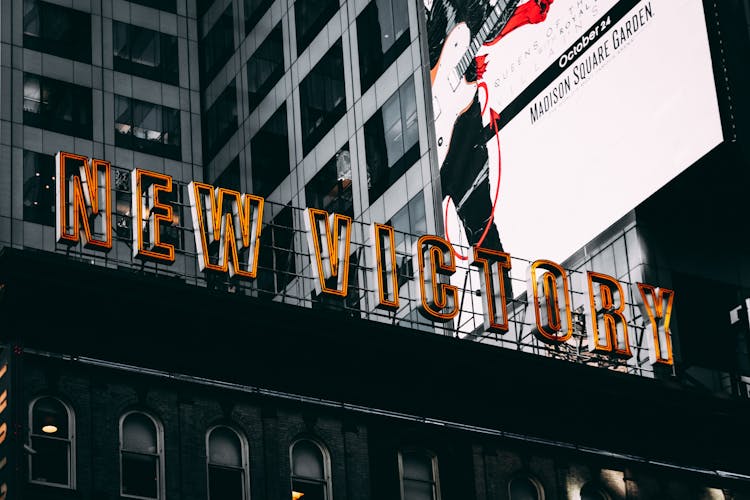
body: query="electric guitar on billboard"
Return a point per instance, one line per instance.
(451, 93)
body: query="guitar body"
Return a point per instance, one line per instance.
(451, 95)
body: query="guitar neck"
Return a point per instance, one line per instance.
(498, 17)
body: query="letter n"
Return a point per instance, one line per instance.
(84, 199)
(606, 326)
(329, 239)
(227, 228)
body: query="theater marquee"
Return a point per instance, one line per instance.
(227, 226)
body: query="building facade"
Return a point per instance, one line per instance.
(141, 378)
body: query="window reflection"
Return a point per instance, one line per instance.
(331, 188)
(418, 476)
(392, 140)
(311, 16)
(226, 465)
(220, 121)
(265, 67)
(322, 97)
(141, 456)
(270, 154)
(254, 11)
(145, 53)
(216, 47)
(382, 35)
(276, 254)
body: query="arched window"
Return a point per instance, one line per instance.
(419, 475)
(311, 476)
(525, 488)
(141, 456)
(591, 491)
(228, 474)
(52, 439)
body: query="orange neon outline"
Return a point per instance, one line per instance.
(382, 301)
(541, 332)
(315, 213)
(657, 314)
(244, 209)
(610, 325)
(141, 252)
(502, 260)
(89, 169)
(437, 250)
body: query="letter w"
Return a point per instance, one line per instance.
(225, 221)
(329, 252)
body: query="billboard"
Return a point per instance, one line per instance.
(553, 118)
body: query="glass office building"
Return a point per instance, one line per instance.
(123, 377)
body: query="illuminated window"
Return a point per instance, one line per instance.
(141, 456)
(591, 491)
(150, 128)
(57, 30)
(391, 140)
(56, 105)
(525, 488)
(311, 476)
(39, 188)
(419, 475)
(227, 465)
(52, 439)
(382, 35)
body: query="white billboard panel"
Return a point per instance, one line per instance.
(551, 127)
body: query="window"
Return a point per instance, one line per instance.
(591, 491)
(216, 47)
(265, 67)
(230, 176)
(167, 5)
(202, 6)
(227, 465)
(145, 53)
(147, 127)
(310, 471)
(254, 11)
(220, 122)
(382, 35)
(419, 475)
(276, 254)
(57, 106)
(57, 30)
(331, 188)
(391, 140)
(311, 16)
(269, 150)
(322, 97)
(525, 488)
(141, 456)
(52, 437)
(39, 188)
